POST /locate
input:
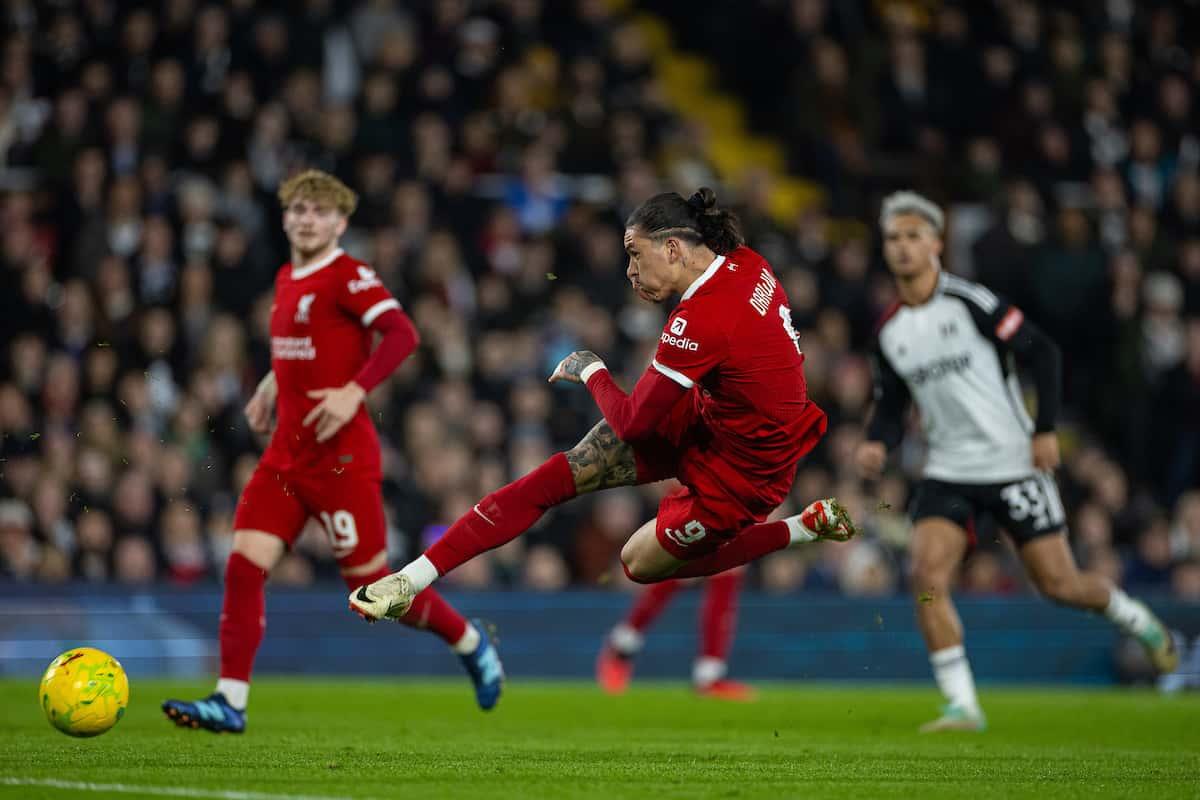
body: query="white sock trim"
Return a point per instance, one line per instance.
(708, 670)
(1130, 615)
(947, 655)
(468, 642)
(421, 572)
(797, 533)
(235, 691)
(952, 671)
(626, 639)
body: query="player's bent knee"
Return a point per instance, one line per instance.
(634, 576)
(260, 548)
(930, 578)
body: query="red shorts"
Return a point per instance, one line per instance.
(349, 508)
(715, 502)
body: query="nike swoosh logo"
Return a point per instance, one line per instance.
(485, 516)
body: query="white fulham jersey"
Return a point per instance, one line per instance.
(951, 357)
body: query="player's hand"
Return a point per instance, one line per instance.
(337, 407)
(1045, 452)
(870, 458)
(258, 413)
(569, 368)
(262, 404)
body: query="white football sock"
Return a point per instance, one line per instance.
(236, 692)
(421, 572)
(469, 641)
(953, 674)
(626, 639)
(708, 670)
(1128, 614)
(798, 533)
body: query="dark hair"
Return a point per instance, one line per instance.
(697, 219)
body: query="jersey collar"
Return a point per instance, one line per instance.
(304, 272)
(704, 276)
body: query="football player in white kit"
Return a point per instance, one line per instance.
(948, 347)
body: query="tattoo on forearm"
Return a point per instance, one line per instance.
(602, 461)
(577, 361)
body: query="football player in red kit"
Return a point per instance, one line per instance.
(723, 408)
(718, 619)
(323, 460)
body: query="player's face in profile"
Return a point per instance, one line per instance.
(652, 266)
(311, 225)
(910, 245)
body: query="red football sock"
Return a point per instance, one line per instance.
(751, 544)
(650, 603)
(504, 514)
(718, 614)
(429, 610)
(243, 616)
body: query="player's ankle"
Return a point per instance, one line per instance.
(468, 642)
(235, 692)
(420, 573)
(798, 533)
(626, 640)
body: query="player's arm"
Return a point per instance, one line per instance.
(885, 429)
(339, 405)
(262, 404)
(1006, 326)
(1037, 351)
(631, 416)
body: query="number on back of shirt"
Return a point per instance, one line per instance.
(785, 314)
(343, 533)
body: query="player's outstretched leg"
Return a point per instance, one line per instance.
(429, 611)
(243, 622)
(614, 666)
(823, 520)
(599, 461)
(1052, 567)
(718, 619)
(495, 520)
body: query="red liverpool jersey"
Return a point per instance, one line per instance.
(730, 340)
(320, 339)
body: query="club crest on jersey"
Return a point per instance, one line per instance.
(367, 279)
(677, 326)
(304, 308)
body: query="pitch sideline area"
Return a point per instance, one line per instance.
(374, 739)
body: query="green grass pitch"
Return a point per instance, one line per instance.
(344, 738)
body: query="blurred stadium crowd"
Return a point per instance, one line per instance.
(497, 146)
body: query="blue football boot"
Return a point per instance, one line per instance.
(213, 713)
(485, 669)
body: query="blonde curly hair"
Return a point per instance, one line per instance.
(321, 187)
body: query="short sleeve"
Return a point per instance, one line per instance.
(997, 319)
(362, 295)
(690, 347)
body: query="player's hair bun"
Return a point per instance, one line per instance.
(704, 200)
(696, 218)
